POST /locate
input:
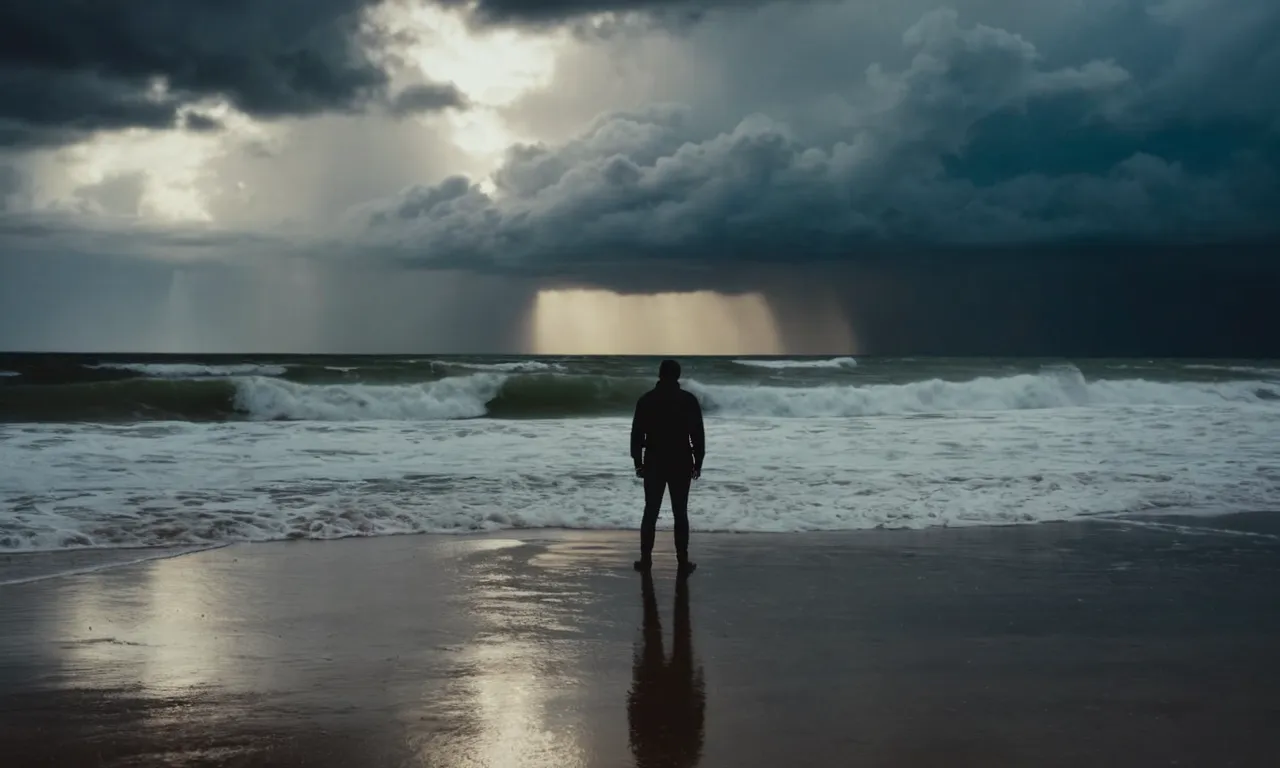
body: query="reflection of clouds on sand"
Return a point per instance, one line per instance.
(503, 697)
(666, 705)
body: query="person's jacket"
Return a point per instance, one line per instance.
(667, 427)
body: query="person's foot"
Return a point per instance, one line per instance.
(643, 564)
(686, 567)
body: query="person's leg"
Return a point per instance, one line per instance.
(679, 485)
(654, 485)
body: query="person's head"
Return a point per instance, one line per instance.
(669, 370)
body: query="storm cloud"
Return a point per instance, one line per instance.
(646, 185)
(70, 68)
(991, 177)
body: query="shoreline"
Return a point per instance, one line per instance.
(29, 566)
(1014, 645)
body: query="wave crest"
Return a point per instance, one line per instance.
(1058, 388)
(553, 395)
(193, 370)
(458, 397)
(782, 365)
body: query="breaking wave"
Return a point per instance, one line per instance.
(521, 366)
(835, 362)
(552, 395)
(190, 370)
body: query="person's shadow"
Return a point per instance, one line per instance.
(667, 701)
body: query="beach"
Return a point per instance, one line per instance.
(375, 561)
(1087, 643)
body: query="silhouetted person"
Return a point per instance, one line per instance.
(667, 702)
(667, 446)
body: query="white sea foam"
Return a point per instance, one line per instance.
(191, 370)
(98, 485)
(457, 397)
(4, 374)
(1050, 389)
(835, 362)
(520, 366)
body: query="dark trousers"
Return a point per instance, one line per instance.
(658, 480)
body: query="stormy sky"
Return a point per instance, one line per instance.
(1095, 177)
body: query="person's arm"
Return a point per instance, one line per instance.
(638, 435)
(697, 437)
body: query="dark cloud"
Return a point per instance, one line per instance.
(196, 121)
(426, 97)
(44, 109)
(69, 67)
(549, 12)
(1224, 61)
(803, 64)
(646, 185)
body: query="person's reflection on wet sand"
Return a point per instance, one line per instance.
(665, 707)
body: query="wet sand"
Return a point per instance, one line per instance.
(1052, 645)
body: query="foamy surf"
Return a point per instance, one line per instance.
(523, 366)
(778, 365)
(189, 371)
(1066, 389)
(332, 446)
(451, 398)
(184, 483)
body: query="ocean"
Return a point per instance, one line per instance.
(126, 451)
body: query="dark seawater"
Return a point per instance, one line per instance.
(123, 388)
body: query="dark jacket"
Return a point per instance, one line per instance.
(667, 428)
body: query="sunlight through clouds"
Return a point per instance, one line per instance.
(493, 68)
(170, 166)
(590, 322)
